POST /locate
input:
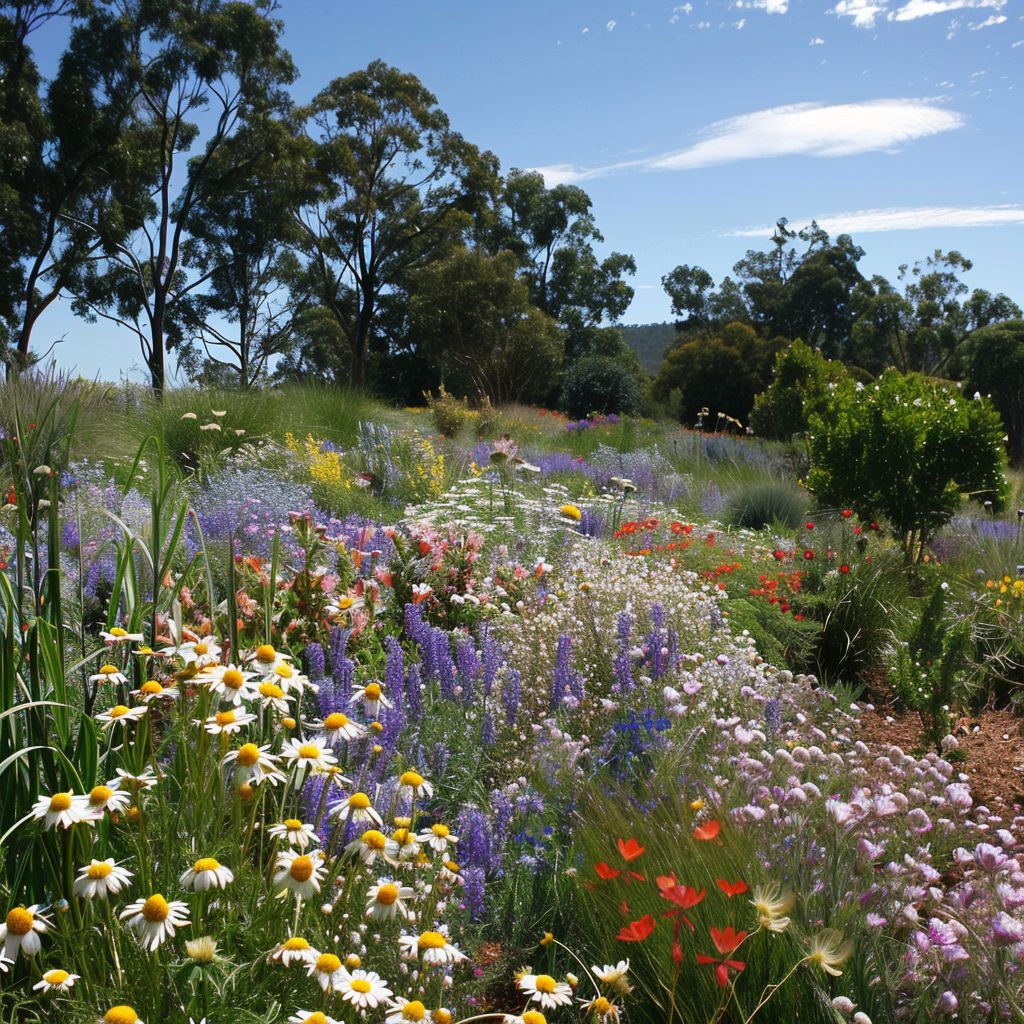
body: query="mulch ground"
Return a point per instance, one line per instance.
(991, 744)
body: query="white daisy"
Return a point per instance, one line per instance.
(437, 837)
(614, 975)
(385, 901)
(272, 696)
(402, 846)
(254, 764)
(365, 990)
(155, 919)
(264, 658)
(231, 684)
(121, 714)
(449, 873)
(101, 878)
(311, 1017)
(338, 727)
(372, 696)
(369, 846)
(203, 651)
(56, 980)
(230, 721)
(133, 783)
(152, 690)
(327, 970)
(301, 873)
(117, 635)
(294, 950)
(356, 808)
(294, 832)
(207, 873)
(291, 681)
(433, 946)
(21, 930)
(405, 1010)
(64, 809)
(109, 674)
(411, 784)
(311, 753)
(122, 1014)
(546, 990)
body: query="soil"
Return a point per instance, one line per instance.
(991, 748)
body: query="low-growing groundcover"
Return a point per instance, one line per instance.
(513, 753)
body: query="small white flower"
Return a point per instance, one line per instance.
(365, 990)
(546, 990)
(155, 919)
(101, 878)
(300, 873)
(120, 715)
(294, 950)
(385, 901)
(21, 930)
(64, 809)
(56, 980)
(207, 873)
(294, 832)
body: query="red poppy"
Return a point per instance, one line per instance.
(709, 830)
(630, 849)
(650, 523)
(722, 968)
(684, 897)
(731, 888)
(810, 526)
(844, 568)
(637, 931)
(847, 512)
(726, 940)
(605, 871)
(808, 554)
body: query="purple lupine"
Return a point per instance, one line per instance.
(413, 694)
(440, 755)
(512, 694)
(491, 657)
(335, 691)
(474, 838)
(561, 675)
(658, 659)
(394, 669)
(446, 673)
(772, 716)
(474, 879)
(315, 661)
(487, 730)
(415, 628)
(469, 666)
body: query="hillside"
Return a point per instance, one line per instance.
(649, 341)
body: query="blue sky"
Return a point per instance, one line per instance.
(694, 126)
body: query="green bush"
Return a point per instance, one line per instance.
(801, 382)
(907, 449)
(997, 369)
(450, 414)
(600, 384)
(763, 504)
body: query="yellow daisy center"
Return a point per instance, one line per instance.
(233, 679)
(376, 727)
(56, 977)
(155, 909)
(201, 648)
(271, 690)
(328, 963)
(443, 1016)
(316, 1017)
(441, 831)
(412, 779)
(545, 983)
(120, 1015)
(534, 1017)
(372, 691)
(361, 985)
(20, 920)
(292, 824)
(99, 870)
(309, 751)
(60, 802)
(359, 801)
(206, 864)
(387, 894)
(118, 631)
(223, 718)
(284, 670)
(600, 1005)
(245, 791)
(302, 870)
(373, 839)
(346, 603)
(248, 755)
(118, 711)
(108, 670)
(402, 836)
(414, 1011)
(265, 653)
(432, 940)
(100, 795)
(352, 961)
(335, 720)
(296, 942)
(453, 866)
(151, 687)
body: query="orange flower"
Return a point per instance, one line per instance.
(605, 871)
(726, 940)
(637, 931)
(708, 831)
(731, 888)
(630, 849)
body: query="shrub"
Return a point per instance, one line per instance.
(759, 505)
(908, 449)
(450, 414)
(801, 382)
(600, 384)
(997, 370)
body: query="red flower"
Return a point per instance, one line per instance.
(683, 896)
(722, 970)
(847, 512)
(732, 888)
(874, 526)
(808, 554)
(709, 830)
(726, 940)
(844, 568)
(605, 871)
(630, 849)
(810, 526)
(778, 555)
(637, 931)
(651, 523)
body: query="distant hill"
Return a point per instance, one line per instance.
(649, 342)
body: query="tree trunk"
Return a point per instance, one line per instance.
(363, 324)
(155, 359)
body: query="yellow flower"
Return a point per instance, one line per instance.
(571, 512)
(829, 950)
(772, 906)
(547, 939)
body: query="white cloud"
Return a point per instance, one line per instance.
(805, 129)
(703, 24)
(862, 12)
(738, 25)
(611, 25)
(1020, 42)
(915, 9)
(992, 19)
(817, 41)
(769, 6)
(677, 11)
(585, 31)
(862, 222)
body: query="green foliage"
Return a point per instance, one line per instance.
(996, 369)
(722, 373)
(450, 414)
(649, 342)
(600, 384)
(800, 383)
(767, 503)
(907, 449)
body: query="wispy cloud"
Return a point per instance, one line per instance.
(610, 25)
(769, 6)
(804, 129)
(864, 13)
(817, 41)
(913, 218)
(992, 19)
